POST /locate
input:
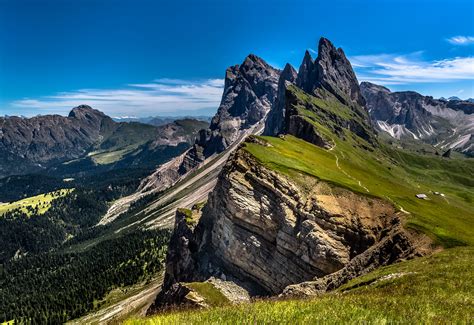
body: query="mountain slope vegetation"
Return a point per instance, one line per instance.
(314, 207)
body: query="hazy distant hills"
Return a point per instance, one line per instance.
(161, 120)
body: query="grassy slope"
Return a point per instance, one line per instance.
(437, 288)
(382, 171)
(42, 201)
(212, 296)
(434, 289)
(398, 177)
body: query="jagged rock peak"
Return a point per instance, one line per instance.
(335, 73)
(253, 59)
(288, 73)
(82, 111)
(249, 92)
(330, 71)
(305, 79)
(276, 116)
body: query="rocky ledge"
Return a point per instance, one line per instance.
(273, 235)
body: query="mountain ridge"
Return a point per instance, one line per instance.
(411, 116)
(48, 141)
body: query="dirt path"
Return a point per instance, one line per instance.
(350, 176)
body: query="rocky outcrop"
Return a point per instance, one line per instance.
(332, 72)
(267, 232)
(249, 92)
(397, 245)
(408, 115)
(276, 116)
(330, 78)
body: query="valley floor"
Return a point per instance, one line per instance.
(433, 289)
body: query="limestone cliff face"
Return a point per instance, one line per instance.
(266, 232)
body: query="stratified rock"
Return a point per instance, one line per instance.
(266, 232)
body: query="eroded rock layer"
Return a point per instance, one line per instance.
(266, 232)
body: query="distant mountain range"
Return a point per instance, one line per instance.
(161, 120)
(408, 115)
(87, 140)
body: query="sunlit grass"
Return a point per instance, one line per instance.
(41, 201)
(434, 289)
(449, 219)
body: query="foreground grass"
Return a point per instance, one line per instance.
(396, 176)
(434, 289)
(42, 202)
(207, 290)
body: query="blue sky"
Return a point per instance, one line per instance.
(141, 58)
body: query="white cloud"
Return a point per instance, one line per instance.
(393, 69)
(170, 96)
(461, 40)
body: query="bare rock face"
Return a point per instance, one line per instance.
(332, 72)
(266, 232)
(249, 92)
(329, 77)
(335, 73)
(276, 116)
(407, 115)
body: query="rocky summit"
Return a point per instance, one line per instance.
(249, 92)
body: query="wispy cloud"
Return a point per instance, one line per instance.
(461, 40)
(394, 69)
(162, 96)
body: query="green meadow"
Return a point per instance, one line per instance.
(42, 202)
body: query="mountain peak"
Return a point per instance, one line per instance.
(335, 73)
(373, 87)
(306, 73)
(85, 111)
(324, 44)
(254, 60)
